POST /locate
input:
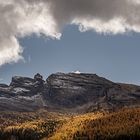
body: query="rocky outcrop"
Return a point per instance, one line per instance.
(27, 86)
(70, 90)
(67, 93)
(23, 94)
(89, 92)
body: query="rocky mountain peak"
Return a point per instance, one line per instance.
(38, 77)
(25, 82)
(70, 92)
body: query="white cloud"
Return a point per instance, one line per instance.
(29, 59)
(19, 18)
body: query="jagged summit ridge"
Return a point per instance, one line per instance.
(67, 92)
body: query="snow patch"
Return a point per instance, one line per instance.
(17, 90)
(77, 72)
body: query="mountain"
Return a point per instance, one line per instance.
(71, 92)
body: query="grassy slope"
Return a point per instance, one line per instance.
(29, 125)
(124, 124)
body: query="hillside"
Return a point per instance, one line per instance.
(124, 124)
(120, 125)
(67, 93)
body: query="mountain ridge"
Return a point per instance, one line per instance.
(67, 92)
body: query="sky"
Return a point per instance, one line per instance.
(92, 36)
(114, 57)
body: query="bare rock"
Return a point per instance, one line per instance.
(67, 93)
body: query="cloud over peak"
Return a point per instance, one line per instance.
(19, 18)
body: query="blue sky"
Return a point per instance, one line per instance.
(115, 57)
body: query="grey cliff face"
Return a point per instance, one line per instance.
(71, 89)
(67, 93)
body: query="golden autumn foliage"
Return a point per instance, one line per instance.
(121, 125)
(32, 130)
(16, 118)
(29, 125)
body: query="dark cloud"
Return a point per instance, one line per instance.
(21, 18)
